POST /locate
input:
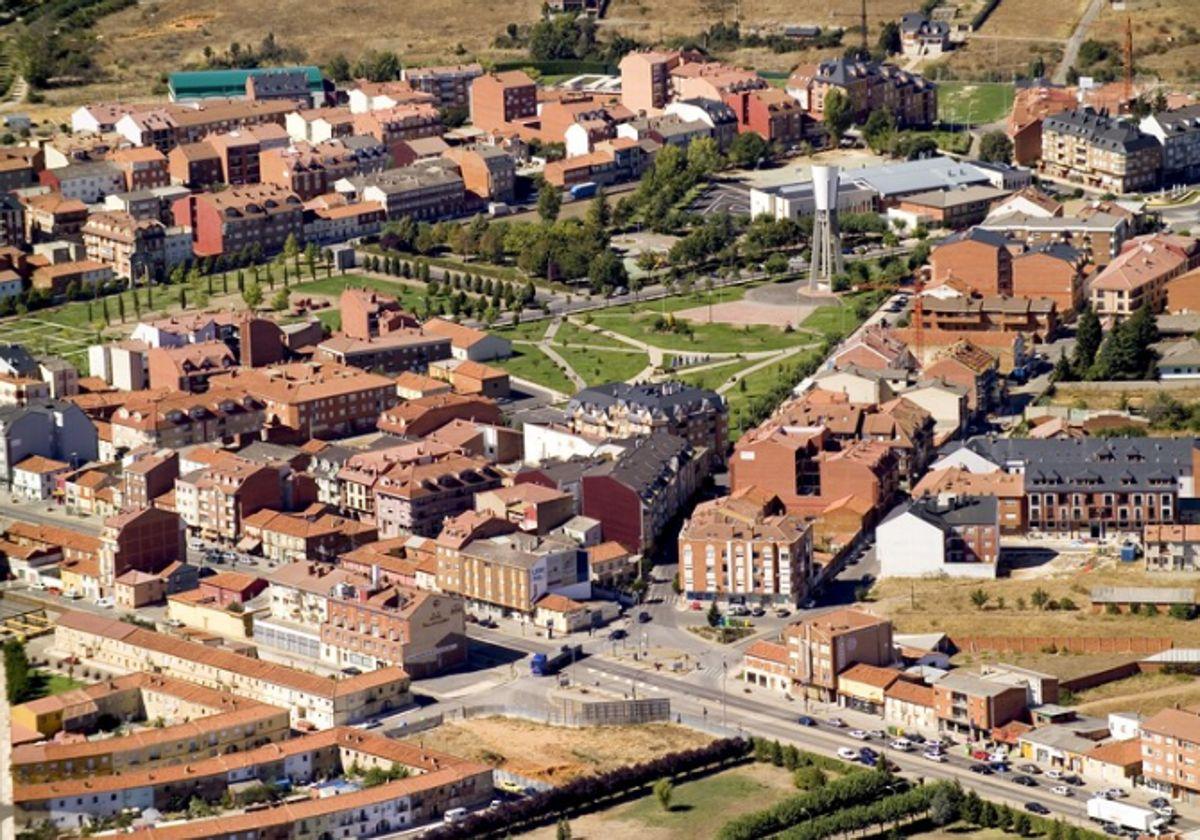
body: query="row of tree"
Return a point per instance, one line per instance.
(1126, 353)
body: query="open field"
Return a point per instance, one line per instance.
(922, 605)
(556, 754)
(409, 296)
(1064, 665)
(975, 103)
(994, 59)
(758, 384)
(530, 363)
(714, 377)
(1144, 693)
(836, 322)
(569, 333)
(698, 807)
(1161, 42)
(1034, 18)
(600, 366)
(1101, 395)
(525, 331)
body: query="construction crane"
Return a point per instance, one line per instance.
(1128, 58)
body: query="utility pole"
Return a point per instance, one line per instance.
(865, 48)
(1128, 58)
(724, 674)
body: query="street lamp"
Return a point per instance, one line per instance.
(724, 674)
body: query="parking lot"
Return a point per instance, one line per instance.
(723, 197)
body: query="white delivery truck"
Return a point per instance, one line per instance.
(1127, 816)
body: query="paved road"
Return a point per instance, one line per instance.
(49, 513)
(1071, 51)
(755, 717)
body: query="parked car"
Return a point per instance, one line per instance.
(643, 617)
(1037, 808)
(105, 603)
(847, 753)
(1111, 830)
(1115, 793)
(981, 769)
(1160, 802)
(1062, 790)
(859, 734)
(1054, 774)
(1029, 769)
(902, 744)
(617, 635)
(805, 720)
(737, 610)
(836, 723)
(939, 757)
(1073, 780)
(782, 612)
(758, 612)
(1025, 781)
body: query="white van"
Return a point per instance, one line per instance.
(454, 815)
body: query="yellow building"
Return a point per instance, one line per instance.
(204, 612)
(863, 687)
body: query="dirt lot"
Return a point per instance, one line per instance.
(556, 754)
(994, 59)
(945, 605)
(1144, 693)
(1034, 18)
(1159, 44)
(1116, 395)
(1065, 666)
(739, 312)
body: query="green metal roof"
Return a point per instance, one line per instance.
(198, 84)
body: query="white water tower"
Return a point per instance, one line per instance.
(826, 243)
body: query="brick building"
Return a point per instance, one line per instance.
(869, 86)
(1099, 151)
(239, 218)
(146, 540)
(499, 99)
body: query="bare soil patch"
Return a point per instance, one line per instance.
(741, 312)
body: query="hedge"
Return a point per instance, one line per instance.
(587, 791)
(559, 67)
(854, 789)
(890, 809)
(983, 14)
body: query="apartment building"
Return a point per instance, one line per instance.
(1171, 547)
(978, 259)
(143, 168)
(239, 218)
(315, 399)
(497, 100)
(238, 153)
(531, 507)
(1098, 237)
(167, 126)
(318, 701)
(450, 86)
(612, 162)
(52, 216)
(403, 122)
(169, 419)
(195, 165)
(19, 166)
(378, 96)
(1051, 272)
(636, 493)
(948, 485)
(215, 501)
(50, 428)
(1031, 105)
(1034, 317)
(929, 537)
(646, 80)
(393, 352)
(146, 540)
(1090, 488)
(469, 344)
(488, 173)
(1170, 748)
(509, 573)
(868, 86)
(310, 170)
(88, 182)
(135, 248)
(311, 534)
(622, 411)
(1178, 134)
(745, 547)
(976, 705)
(1099, 151)
(1139, 275)
(414, 498)
(419, 417)
(771, 114)
(203, 723)
(819, 649)
(428, 190)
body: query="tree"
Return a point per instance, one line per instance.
(1022, 825)
(980, 598)
(703, 156)
(1039, 598)
(599, 214)
(746, 149)
(889, 38)
(714, 615)
(606, 271)
(995, 147)
(280, 301)
(662, 792)
(809, 778)
(16, 671)
(338, 68)
(972, 808)
(944, 806)
(838, 116)
(252, 295)
(879, 128)
(1063, 371)
(1088, 335)
(549, 202)
(291, 247)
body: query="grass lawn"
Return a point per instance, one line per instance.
(409, 296)
(714, 377)
(600, 366)
(532, 364)
(525, 331)
(44, 684)
(712, 338)
(569, 333)
(833, 321)
(698, 807)
(975, 102)
(758, 384)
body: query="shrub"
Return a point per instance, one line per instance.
(809, 778)
(1066, 604)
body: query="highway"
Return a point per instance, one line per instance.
(753, 717)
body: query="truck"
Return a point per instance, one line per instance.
(1142, 820)
(585, 190)
(544, 666)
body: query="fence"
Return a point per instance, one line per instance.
(577, 712)
(409, 727)
(1107, 675)
(1145, 645)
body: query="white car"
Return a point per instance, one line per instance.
(1062, 790)
(939, 757)
(1054, 774)
(1165, 811)
(859, 735)
(901, 744)
(105, 603)
(1115, 793)
(848, 753)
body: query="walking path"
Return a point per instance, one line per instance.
(1071, 50)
